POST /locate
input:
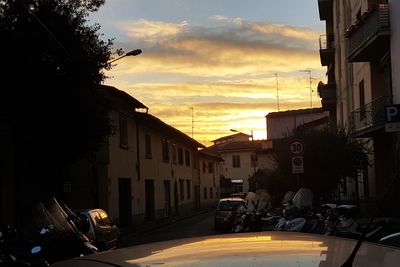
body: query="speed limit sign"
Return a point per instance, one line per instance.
(296, 147)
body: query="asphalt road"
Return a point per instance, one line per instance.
(199, 225)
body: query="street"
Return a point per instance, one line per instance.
(198, 225)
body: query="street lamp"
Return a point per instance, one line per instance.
(130, 53)
(309, 72)
(236, 131)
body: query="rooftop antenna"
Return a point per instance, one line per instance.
(277, 89)
(309, 72)
(192, 120)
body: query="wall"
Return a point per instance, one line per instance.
(282, 126)
(209, 180)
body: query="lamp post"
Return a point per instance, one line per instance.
(130, 53)
(309, 72)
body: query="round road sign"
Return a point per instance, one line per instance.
(296, 147)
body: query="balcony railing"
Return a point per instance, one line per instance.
(369, 117)
(327, 92)
(369, 39)
(326, 50)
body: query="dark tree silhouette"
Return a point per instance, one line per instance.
(51, 65)
(328, 157)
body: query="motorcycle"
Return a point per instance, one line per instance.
(55, 236)
(297, 215)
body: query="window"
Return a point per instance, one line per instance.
(204, 166)
(182, 189)
(188, 189)
(174, 154)
(210, 167)
(165, 150)
(211, 193)
(362, 99)
(254, 160)
(205, 192)
(236, 161)
(123, 132)
(187, 158)
(148, 146)
(180, 156)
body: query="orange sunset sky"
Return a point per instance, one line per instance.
(222, 64)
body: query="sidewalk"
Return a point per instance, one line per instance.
(128, 232)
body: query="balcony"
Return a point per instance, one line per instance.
(368, 119)
(326, 50)
(327, 92)
(369, 39)
(325, 8)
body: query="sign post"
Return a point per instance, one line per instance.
(296, 149)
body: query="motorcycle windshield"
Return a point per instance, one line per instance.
(303, 198)
(287, 197)
(50, 217)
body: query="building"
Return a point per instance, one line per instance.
(360, 50)
(240, 161)
(282, 124)
(210, 173)
(145, 171)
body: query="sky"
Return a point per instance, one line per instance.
(209, 66)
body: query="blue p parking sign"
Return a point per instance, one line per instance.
(392, 118)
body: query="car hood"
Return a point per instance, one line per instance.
(247, 249)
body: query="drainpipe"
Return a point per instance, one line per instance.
(137, 151)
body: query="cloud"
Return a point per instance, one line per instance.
(224, 70)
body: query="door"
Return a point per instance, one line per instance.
(125, 201)
(167, 197)
(150, 207)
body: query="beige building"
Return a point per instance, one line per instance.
(357, 52)
(147, 170)
(210, 174)
(241, 160)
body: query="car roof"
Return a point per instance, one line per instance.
(245, 249)
(231, 199)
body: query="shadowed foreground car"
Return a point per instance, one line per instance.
(245, 249)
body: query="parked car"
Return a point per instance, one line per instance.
(240, 194)
(224, 210)
(103, 233)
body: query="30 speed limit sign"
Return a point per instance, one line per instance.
(296, 147)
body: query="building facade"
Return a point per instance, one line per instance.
(145, 171)
(359, 50)
(281, 124)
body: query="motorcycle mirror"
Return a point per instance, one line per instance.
(36, 249)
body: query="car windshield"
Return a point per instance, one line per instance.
(229, 205)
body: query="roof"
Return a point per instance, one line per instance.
(314, 123)
(237, 146)
(232, 136)
(245, 249)
(208, 153)
(155, 123)
(294, 112)
(114, 92)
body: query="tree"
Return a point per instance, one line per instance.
(328, 158)
(52, 62)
